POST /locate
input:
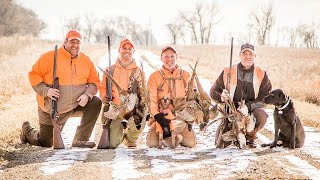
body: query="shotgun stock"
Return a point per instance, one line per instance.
(104, 142)
(57, 139)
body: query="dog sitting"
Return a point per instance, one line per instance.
(164, 126)
(291, 132)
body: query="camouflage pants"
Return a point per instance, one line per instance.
(117, 132)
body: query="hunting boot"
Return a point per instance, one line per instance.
(29, 134)
(128, 143)
(251, 136)
(83, 144)
(26, 128)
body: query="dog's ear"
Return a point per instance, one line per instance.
(282, 97)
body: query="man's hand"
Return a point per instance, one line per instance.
(83, 100)
(225, 95)
(243, 110)
(53, 93)
(105, 100)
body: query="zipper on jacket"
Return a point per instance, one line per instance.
(71, 85)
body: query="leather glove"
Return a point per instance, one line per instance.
(243, 110)
(164, 123)
(83, 100)
(225, 95)
(105, 100)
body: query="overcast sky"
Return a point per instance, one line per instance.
(157, 13)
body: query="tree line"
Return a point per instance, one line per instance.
(195, 26)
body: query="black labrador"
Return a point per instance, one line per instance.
(291, 132)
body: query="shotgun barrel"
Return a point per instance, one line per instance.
(57, 139)
(104, 142)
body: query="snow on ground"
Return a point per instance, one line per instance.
(225, 161)
(65, 158)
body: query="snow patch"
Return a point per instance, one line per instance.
(65, 158)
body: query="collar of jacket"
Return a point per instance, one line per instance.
(241, 68)
(131, 66)
(175, 68)
(67, 54)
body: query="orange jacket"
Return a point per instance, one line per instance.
(163, 83)
(173, 86)
(76, 77)
(121, 76)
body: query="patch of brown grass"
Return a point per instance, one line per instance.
(9, 46)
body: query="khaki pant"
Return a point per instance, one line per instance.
(132, 133)
(89, 114)
(189, 137)
(261, 119)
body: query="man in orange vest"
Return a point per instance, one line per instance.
(167, 88)
(247, 82)
(123, 70)
(78, 85)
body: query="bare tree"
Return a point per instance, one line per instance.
(290, 35)
(308, 36)
(15, 19)
(262, 21)
(201, 21)
(106, 28)
(176, 31)
(90, 22)
(120, 27)
(73, 23)
(190, 21)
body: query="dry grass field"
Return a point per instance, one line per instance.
(294, 70)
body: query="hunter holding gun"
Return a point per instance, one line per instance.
(248, 83)
(127, 75)
(78, 85)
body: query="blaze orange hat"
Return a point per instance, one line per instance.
(74, 34)
(166, 48)
(125, 41)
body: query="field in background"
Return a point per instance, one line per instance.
(294, 70)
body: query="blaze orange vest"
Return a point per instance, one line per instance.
(258, 75)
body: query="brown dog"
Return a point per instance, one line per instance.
(291, 132)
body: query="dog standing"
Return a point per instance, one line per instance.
(288, 127)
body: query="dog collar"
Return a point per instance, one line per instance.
(280, 109)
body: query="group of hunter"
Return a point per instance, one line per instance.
(169, 102)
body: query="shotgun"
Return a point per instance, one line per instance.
(104, 142)
(57, 140)
(229, 73)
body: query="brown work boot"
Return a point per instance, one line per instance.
(128, 143)
(25, 128)
(251, 136)
(251, 144)
(83, 144)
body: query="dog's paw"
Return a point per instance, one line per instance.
(273, 145)
(265, 144)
